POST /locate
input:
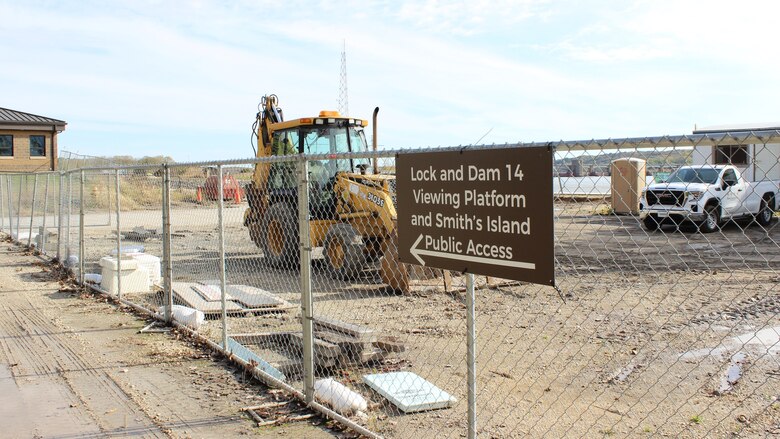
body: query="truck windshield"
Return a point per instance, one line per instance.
(694, 175)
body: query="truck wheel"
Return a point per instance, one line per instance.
(344, 252)
(651, 223)
(279, 236)
(764, 216)
(712, 221)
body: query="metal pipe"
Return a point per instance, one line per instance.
(70, 217)
(108, 199)
(222, 276)
(43, 223)
(9, 186)
(2, 209)
(651, 142)
(167, 281)
(32, 210)
(118, 237)
(59, 217)
(305, 263)
(471, 357)
(81, 229)
(19, 206)
(374, 141)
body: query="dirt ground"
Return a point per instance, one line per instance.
(670, 333)
(72, 365)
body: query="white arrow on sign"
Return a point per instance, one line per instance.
(418, 252)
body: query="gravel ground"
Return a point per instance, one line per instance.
(638, 340)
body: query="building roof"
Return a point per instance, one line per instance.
(12, 119)
(738, 128)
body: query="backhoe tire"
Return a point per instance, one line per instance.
(712, 221)
(765, 213)
(279, 236)
(344, 251)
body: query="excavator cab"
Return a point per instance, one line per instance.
(331, 136)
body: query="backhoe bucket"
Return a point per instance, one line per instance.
(407, 278)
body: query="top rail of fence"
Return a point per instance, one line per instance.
(650, 142)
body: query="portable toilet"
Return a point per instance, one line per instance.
(627, 182)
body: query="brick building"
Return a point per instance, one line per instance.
(28, 143)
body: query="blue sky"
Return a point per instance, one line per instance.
(183, 78)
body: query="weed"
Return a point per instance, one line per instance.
(603, 209)
(696, 419)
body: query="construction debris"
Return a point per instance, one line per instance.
(336, 345)
(141, 234)
(409, 392)
(239, 299)
(339, 397)
(732, 374)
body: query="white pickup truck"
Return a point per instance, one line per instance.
(708, 195)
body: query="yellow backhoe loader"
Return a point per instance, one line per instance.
(352, 211)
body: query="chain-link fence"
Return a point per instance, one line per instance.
(665, 319)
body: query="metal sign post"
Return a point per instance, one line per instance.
(471, 356)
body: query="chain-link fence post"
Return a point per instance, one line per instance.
(19, 206)
(471, 357)
(166, 207)
(222, 278)
(60, 195)
(44, 232)
(81, 227)
(118, 237)
(70, 217)
(9, 186)
(305, 262)
(2, 208)
(32, 210)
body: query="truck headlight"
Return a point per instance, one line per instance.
(694, 195)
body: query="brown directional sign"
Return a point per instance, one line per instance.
(478, 211)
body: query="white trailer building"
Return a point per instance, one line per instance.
(756, 161)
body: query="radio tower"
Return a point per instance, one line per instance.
(343, 96)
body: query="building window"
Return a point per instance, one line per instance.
(731, 155)
(37, 146)
(6, 145)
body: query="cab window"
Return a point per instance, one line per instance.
(730, 177)
(326, 140)
(282, 174)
